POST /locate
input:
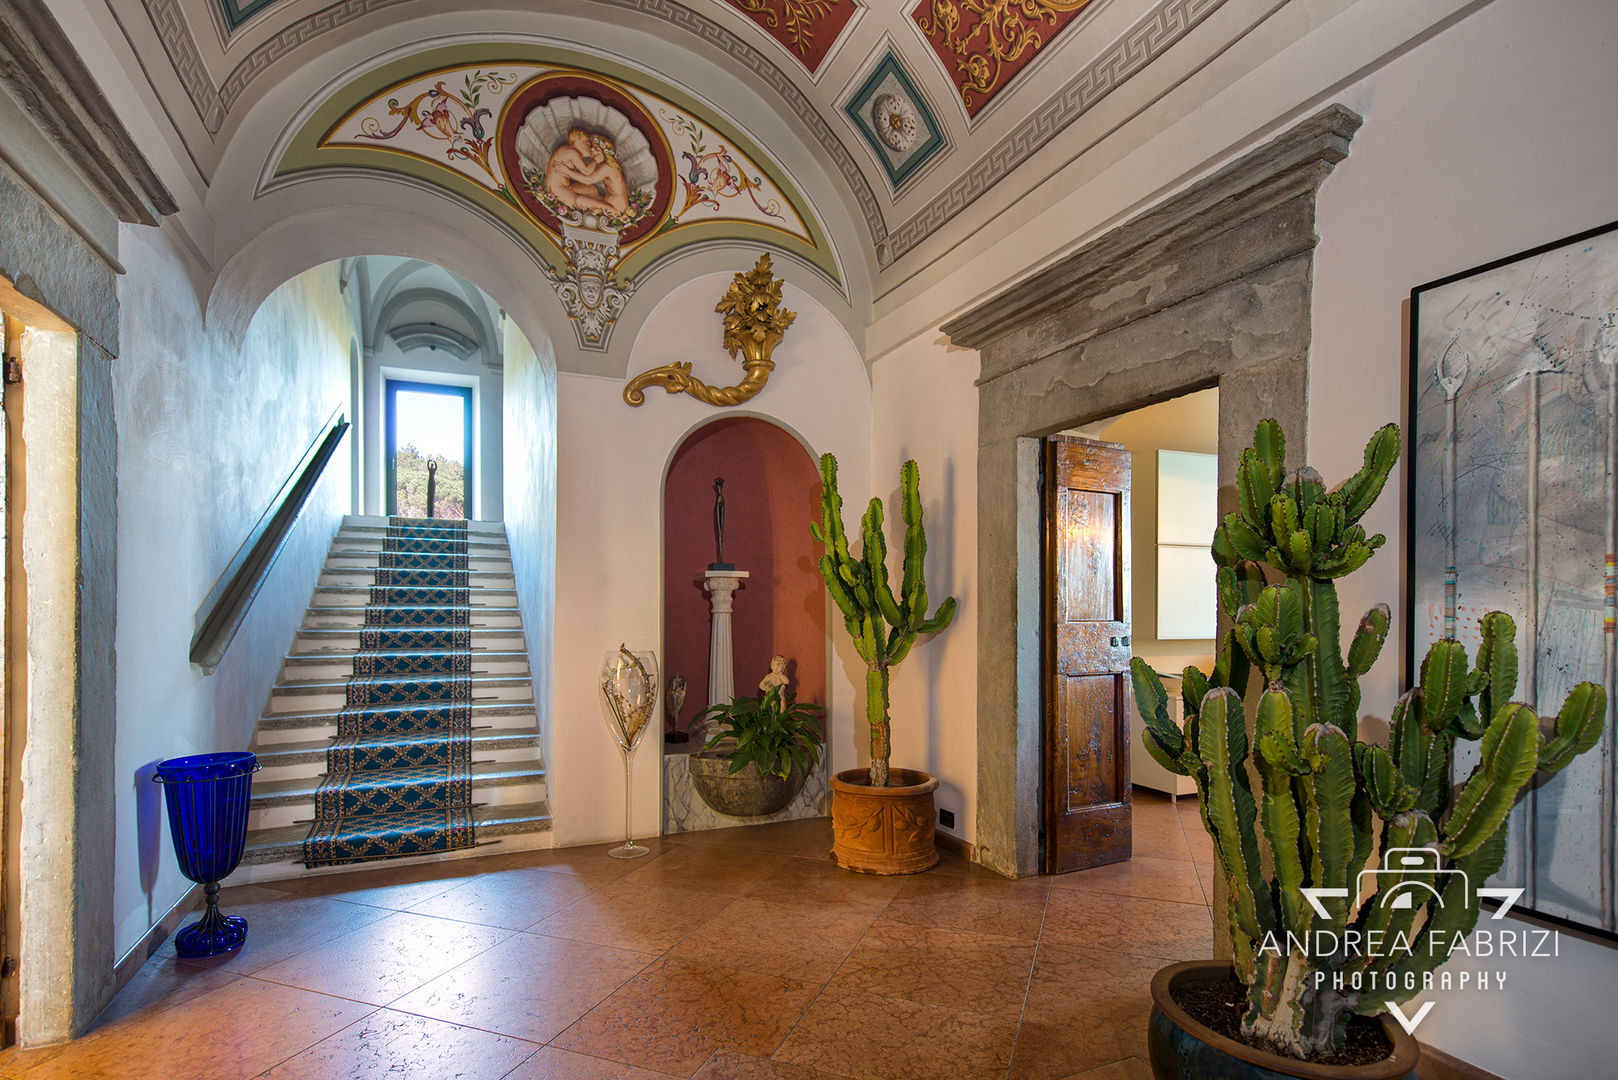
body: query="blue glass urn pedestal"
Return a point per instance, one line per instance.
(207, 797)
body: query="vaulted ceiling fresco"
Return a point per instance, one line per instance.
(603, 176)
(916, 110)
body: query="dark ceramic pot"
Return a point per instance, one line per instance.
(885, 830)
(748, 793)
(1182, 1049)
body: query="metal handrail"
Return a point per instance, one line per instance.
(222, 613)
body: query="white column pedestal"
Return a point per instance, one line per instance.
(721, 586)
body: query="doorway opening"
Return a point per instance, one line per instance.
(1131, 503)
(429, 449)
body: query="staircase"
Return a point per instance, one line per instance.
(301, 721)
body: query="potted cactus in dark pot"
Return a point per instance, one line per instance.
(1311, 950)
(882, 819)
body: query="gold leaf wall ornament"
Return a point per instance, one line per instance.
(754, 324)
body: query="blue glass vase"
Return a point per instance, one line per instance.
(207, 797)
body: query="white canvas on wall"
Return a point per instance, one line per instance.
(1187, 514)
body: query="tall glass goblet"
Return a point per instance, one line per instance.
(629, 687)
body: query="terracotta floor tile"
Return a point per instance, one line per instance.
(591, 862)
(1163, 842)
(956, 968)
(1070, 982)
(553, 1064)
(673, 1015)
(513, 899)
(1131, 1068)
(881, 1038)
(821, 882)
(386, 959)
(808, 838)
(1053, 1051)
(988, 905)
(789, 940)
(1143, 876)
(710, 869)
(1129, 924)
(238, 1030)
(282, 926)
(527, 986)
(729, 1065)
(161, 983)
(391, 1044)
(629, 917)
(392, 887)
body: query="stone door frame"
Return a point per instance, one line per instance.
(1210, 288)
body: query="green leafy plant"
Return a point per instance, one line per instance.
(884, 625)
(1326, 797)
(774, 731)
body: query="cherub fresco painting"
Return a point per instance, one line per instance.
(583, 174)
(587, 163)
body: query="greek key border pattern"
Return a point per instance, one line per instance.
(182, 51)
(1145, 41)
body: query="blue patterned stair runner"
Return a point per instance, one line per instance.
(398, 776)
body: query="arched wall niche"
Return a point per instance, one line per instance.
(772, 492)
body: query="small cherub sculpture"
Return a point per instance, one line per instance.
(776, 677)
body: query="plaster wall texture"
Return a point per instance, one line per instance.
(1488, 140)
(530, 512)
(386, 361)
(611, 464)
(207, 434)
(926, 408)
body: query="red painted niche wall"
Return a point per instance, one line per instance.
(772, 493)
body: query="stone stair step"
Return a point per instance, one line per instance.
(347, 639)
(344, 596)
(301, 790)
(335, 617)
(301, 811)
(365, 577)
(285, 843)
(301, 752)
(339, 664)
(484, 713)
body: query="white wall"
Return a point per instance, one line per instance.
(1494, 137)
(926, 407)
(529, 432)
(609, 550)
(207, 434)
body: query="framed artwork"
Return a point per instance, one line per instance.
(1513, 507)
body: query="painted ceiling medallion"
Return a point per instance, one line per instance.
(894, 120)
(807, 28)
(984, 44)
(605, 177)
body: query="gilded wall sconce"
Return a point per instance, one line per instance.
(754, 323)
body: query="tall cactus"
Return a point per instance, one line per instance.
(1322, 790)
(884, 625)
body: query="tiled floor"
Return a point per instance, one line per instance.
(741, 954)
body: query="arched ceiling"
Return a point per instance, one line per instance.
(914, 112)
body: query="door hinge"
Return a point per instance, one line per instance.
(13, 370)
(8, 967)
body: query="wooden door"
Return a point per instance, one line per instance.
(1086, 642)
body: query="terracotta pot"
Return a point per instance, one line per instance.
(747, 793)
(1183, 1049)
(886, 830)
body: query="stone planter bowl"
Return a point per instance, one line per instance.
(746, 794)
